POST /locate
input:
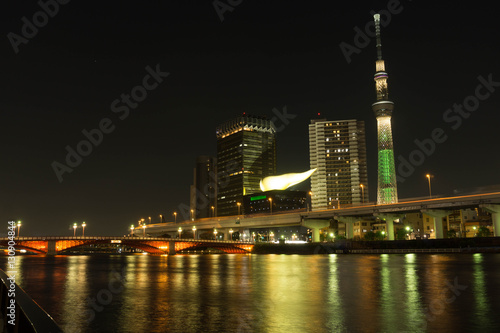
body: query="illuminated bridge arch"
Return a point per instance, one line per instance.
(54, 245)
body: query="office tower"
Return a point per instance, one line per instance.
(387, 191)
(246, 153)
(204, 188)
(338, 150)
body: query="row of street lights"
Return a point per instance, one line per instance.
(428, 176)
(75, 225)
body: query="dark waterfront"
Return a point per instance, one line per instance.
(267, 293)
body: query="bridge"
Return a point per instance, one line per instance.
(436, 208)
(153, 245)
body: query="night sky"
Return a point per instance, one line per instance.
(263, 55)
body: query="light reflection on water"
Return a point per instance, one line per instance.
(266, 293)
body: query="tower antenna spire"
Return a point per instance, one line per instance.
(377, 33)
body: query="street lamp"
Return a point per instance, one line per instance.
(143, 230)
(180, 232)
(74, 229)
(213, 211)
(18, 228)
(215, 232)
(83, 227)
(239, 207)
(362, 194)
(132, 229)
(231, 234)
(194, 232)
(310, 200)
(161, 218)
(271, 205)
(175, 217)
(429, 179)
(192, 214)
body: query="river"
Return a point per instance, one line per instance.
(266, 293)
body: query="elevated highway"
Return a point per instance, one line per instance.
(436, 208)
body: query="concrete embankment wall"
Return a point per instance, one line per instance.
(466, 245)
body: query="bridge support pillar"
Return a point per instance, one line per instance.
(389, 223)
(437, 215)
(171, 248)
(349, 224)
(315, 225)
(51, 247)
(495, 217)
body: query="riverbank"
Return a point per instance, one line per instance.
(450, 245)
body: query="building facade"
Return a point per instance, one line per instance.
(274, 202)
(337, 149)
(204, 188)
(246, 153)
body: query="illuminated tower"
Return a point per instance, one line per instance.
(387, 189)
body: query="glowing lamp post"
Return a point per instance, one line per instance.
(74, 229)
(180, 232)
(310, 200)
(271, 205)
(83, 228)
(194, 232)
(143, 230)
(231, 234)
(362, 194)
(18, 228)
(429, 179)
(192, 214)
(213, 211)
(161, 218)
(175, 217)
(215, 232)
(239, 207)
(132, 229)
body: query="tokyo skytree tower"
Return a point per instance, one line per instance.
(387, 192)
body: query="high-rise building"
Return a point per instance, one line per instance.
(337, 149)
(204, 188)
(246, 153)
(387, 188)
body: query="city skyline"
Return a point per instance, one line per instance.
(66, 78)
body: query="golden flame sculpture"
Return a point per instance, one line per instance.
(282, 182)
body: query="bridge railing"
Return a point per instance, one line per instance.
(26, 315)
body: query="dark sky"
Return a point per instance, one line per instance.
(263, 55)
